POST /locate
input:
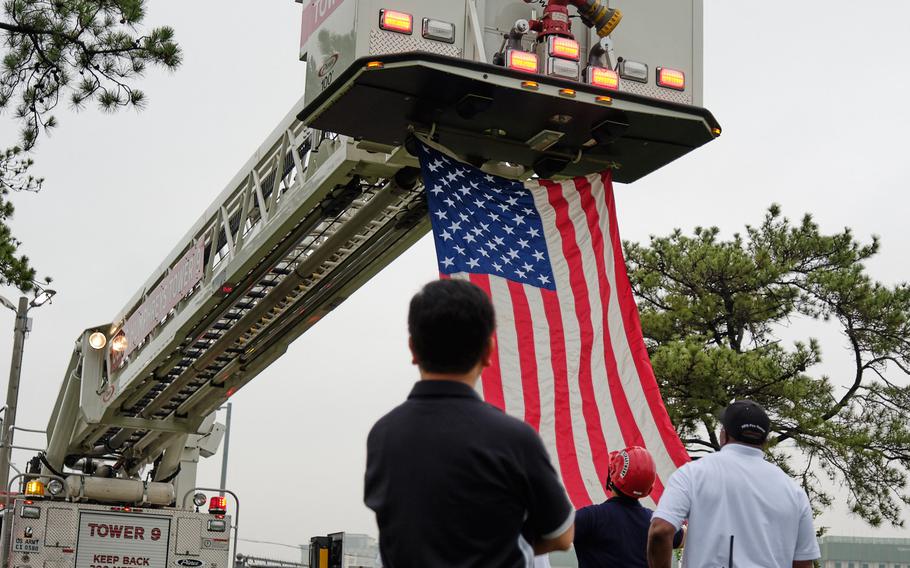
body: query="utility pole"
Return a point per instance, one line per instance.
(12, 391)
(227, 446)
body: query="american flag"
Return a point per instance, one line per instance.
(571, 360)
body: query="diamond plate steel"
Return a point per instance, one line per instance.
(61, 527)
(655, 92)
(189, 536)
(383, 42)
(58, 527)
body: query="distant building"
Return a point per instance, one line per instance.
(858, 552)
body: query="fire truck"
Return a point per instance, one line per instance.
(518, 88)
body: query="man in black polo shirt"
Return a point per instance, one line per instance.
(455, 482)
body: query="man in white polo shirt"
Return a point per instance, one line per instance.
(743, 511)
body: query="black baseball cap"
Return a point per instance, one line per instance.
(746, 421)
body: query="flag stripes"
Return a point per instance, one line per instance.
(570, 357)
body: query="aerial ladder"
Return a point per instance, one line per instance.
(516, 87)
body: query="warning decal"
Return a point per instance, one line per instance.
(108, 540)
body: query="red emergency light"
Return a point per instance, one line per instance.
(394, 21)
(671, 78)
(522, 61)
(218, 505)
(603, 78)
(564, 47)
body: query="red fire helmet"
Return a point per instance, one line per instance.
(632, 471)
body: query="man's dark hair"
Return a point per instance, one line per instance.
(450, 322)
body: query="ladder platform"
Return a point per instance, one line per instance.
(485, 112)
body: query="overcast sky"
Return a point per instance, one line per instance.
(813, 100)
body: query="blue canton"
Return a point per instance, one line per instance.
(484, 224)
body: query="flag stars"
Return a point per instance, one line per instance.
(485, 224)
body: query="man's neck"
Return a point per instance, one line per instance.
(733, 442)
(469, 378)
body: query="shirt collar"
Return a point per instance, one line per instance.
(744, 450)
(624, 500)
(442, 389)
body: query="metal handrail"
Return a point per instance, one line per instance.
(32, 430)
(236, 517)
(22, 448)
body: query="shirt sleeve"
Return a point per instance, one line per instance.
(550, 513)
(678, 538)
(585, 524)
(676, 501)
(806, 543)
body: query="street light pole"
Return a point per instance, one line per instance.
(12, 391)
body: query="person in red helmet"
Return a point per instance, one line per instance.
(615, 532)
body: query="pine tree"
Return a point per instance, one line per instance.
(74, 52)
(711, 311)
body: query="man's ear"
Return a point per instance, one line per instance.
(486, 358)
(414, 360)
(723, 437)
